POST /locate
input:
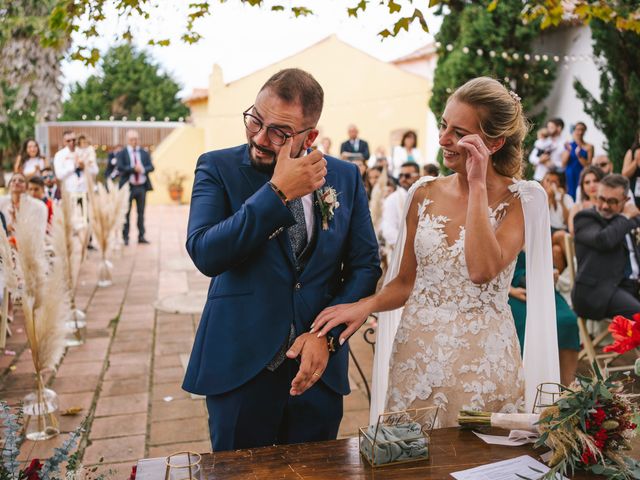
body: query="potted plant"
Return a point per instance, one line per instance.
(174, 181)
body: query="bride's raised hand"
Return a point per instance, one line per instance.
(478, 158)
(353, 315)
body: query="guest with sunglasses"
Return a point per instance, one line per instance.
(607, 281)
(70, 167)
(51, 189)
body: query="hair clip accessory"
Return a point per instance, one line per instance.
(515, 96)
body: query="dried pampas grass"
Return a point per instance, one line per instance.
(63, 235)
(44, 302)
(107, 209)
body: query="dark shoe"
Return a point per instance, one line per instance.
(91, 247)
(126, 242)
(143, 241)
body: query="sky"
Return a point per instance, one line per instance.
(243, 39)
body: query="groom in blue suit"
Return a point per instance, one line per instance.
(284, 232)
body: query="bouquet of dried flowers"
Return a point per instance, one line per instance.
(49, 469)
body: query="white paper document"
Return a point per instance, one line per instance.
(525, 466)
(516, 438)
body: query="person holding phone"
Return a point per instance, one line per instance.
(284, 232)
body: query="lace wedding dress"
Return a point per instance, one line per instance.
(454, 344)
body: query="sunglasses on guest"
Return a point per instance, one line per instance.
(602, 164)
(407, 175)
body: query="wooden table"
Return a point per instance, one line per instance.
(452, 450)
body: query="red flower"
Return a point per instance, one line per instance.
(599, 416)
(588, 457)
(31, 472)
(587, 424)
(134, 470)
(626, 334)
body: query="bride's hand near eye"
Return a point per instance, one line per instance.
(478, 157)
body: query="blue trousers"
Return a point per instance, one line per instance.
(261, 412)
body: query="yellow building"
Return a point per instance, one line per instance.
(381, 99)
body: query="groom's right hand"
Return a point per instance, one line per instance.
(296, 177)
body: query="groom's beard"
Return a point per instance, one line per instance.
(262, 166)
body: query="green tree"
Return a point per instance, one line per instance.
(616, 110)
(473, 41)
(17, 127)
(129, 84)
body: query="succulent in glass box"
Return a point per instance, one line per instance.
(398, 437)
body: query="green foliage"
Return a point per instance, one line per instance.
(616, 110)
(468, 35)
(16, 128)
(129, 84)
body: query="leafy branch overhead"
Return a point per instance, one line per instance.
(84, 17)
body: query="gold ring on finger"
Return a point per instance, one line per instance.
(316, 374)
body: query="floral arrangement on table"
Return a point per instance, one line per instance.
(589, 427)
(49, 469)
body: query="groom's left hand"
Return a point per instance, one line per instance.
(314, 355)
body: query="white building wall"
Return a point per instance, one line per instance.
(576, 43)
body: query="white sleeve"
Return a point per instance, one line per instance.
(534, 158)
(63, 169)
(390, 223)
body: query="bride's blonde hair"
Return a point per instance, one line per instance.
(501, 116)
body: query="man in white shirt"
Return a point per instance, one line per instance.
(394, 204)
(548, 153)
(69, 167)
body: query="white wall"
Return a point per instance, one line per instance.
(562, 101)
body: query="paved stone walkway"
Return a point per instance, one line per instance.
(127, 376)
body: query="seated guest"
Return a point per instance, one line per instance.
(36, 190)
(51, 189)
(559, 205)
(430, 170)
(560, 202)
(30, 161)
(406, 152)
(362, 167)
(566, 320)
(371, 178)
(607, 254)
(603, 163)
(10, 204)
(393, 208)
(589, 180)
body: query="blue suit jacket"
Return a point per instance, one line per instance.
(255, 293)
(125, 169)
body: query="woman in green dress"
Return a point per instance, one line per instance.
(567, 322)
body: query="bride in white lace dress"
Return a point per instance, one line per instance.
(456, 344)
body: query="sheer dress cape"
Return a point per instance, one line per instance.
(540, 359)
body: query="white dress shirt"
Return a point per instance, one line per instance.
(142, 178)
(391, 221)
(64, 164)
(555, 147)
(400, 156)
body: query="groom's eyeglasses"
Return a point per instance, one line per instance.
(276, 135)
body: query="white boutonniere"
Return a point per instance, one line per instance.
(328, 202)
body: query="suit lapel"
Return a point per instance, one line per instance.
(255, 181)
(322, 236)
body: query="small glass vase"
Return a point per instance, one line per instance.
(76, 328)
(637, 369)
(183, 466)
(39, 408)
(104, 273)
